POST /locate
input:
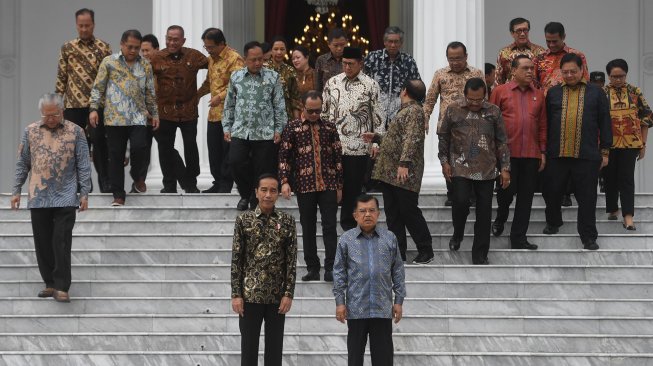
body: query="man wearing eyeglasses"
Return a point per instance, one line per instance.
(310, 164)
(473, 151)
(521, 45)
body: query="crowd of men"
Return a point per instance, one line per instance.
(535, 116)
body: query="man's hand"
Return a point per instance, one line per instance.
(368, 136)
(446, 171)
(604, 162)
(542, 163)
(238, 305)
(642, 152)
(286, 304)
(397, 312)
(214, 101)
(341, 313)
(339, 195)
(285, 191)
(83, 204)
(93, 118)
(505, 179)
(402, 175)
(155, 124)
(227, 136)
(374, 152)
(277, 137)
(15, 202)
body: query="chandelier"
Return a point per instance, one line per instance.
(322, 6)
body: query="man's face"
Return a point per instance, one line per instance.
(366, 215)
(457, 59)
(147, 50)
(254, 60)
(130, 48)
(267, 193)
(520, 33)
(278, 52)
(523, 73)
(351, 67)
(51, 115)
(85, 26)
(212, 48)
(475, 99)
(554, 42)
(571, 73)
(174, 40)
(392, 44)
(490, 78)
(312, 109)
(337, 46)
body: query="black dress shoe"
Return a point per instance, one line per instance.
(213, 189)
(590, 245)
(550, 229)
(629, 227)
(328, 276)
(482, 262)
(448, 202)
(424, 258)
(497, 227)
(242, 204)
(523, 245)
(454, 243)
(313, 276)
(566, 200)
(168, 190)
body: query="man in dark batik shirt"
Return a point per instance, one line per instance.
(330, 64)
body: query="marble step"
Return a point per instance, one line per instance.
(637, 240)
(176, 227)
(442, 256)
(306, 306)
(496, 272)
(307, 341)
(456, 288)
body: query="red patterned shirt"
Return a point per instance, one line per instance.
(508, 53)
(547, 68)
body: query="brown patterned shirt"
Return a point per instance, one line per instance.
(508, 53)
(264, 257)
(306, 81)
(310, 156)
(326, 67)
(473, 143)
(288, 79)
(79, 61)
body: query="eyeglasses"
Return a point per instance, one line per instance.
(348, 64)
(364, 211)
(209, 48)
(617, 77)
(46, 116)
(312, 111)
(569, 72)
(455, 59)
(475, 101)
(521, 31)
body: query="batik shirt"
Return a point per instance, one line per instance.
(326, 67)
(126, 92)
(547, 68)
(630, 113)
(288, 78)
(353, 105)
(254, 107)
(391, 76)
(59, 164)
(79, 61)
(366, 272)
(264, 257)
(217, 79)
(508, 53)
(474, 144)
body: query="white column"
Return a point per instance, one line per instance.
(643, 176)
(194, 16)
(435, 24)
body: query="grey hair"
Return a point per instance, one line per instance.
(393, 30)
(51, 98)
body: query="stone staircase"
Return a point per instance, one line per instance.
(151, 287)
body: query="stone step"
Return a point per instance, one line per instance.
(442, 256)
(455, 288)
(306, 306)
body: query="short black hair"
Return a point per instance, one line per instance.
(83, 11)
(518, 20)
(311, 94)
(475, 84)
(364, 198)
(266, 47)
(336, 33)
(515, 61)
(619, 62)
(571, 57)
(489, 68)
(279, 38)
(416, 89)
(133, 33)
(152, 39)
(176, 27)
(454, 45)
(555, 28)
(250, 45)
(266, 176)
(215, 35)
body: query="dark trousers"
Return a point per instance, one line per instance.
(353, 171)
(219, 156)
(620, 181)
(381, 346)
(171, 168)
(97, 142)
(248, 160)
(328, 203)
(250, 331)
(141, 173)
(462, 188)
(523, 179)
(584, 175)
(53, 237)
(117, 137)
(402, 212)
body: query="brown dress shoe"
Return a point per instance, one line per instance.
(61, 296)
(47, 292)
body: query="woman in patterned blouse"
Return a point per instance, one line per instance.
(631, 117)
(288, 77)
(304, 72)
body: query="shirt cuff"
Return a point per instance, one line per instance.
(235, 295)
(399, 300)
(340, 300)
(288, 294)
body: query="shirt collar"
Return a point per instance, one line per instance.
(360, 232)
(307, 122)
(463, 103)
(258, 212)
(122, 57)
(448, 69)
(514, 46)
(356, 78)
(582, 81)
(513, 85)
(408, 104)
(87, 42)
(386, 56)
(332, 57)
(43, 125)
